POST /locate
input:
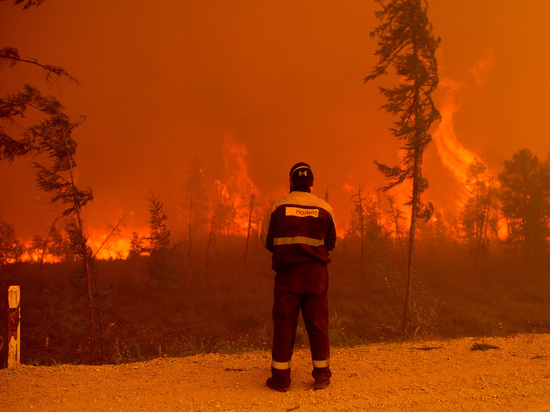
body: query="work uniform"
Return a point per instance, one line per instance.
(299, 229)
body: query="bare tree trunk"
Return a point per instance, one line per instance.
(98, 296)
(100, 311)
(108, 237)
(83, 251)
(412, 240)
(190, 237)
(248, 229)
(86, 267)
(211, 236)
(362, 240)
(44, 248)
(396, 215)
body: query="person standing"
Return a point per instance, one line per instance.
(299, 230)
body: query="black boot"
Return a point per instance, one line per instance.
(322, 377)
(280, 380)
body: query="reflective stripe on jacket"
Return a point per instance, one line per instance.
(299, 228)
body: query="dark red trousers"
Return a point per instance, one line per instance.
(300, 288)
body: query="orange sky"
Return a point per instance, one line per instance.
(164, 82)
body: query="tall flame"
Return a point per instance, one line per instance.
(238, 189)
(453, 154)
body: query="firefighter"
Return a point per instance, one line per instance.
(299, 231)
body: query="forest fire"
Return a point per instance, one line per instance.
(103, 245)
(116, 245)
(234, 205)
(324, 116)
(455, 157)
(238, 195)
(232, 208)
(181, 129)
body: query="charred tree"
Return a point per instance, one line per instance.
(406, 43)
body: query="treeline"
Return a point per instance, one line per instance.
(484, 272)
(508, 204)
(509, 208)
(139, 316)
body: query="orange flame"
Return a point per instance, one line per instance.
(35, 256)
(453, 154)
(116, 245)
(103, 245)
(238, 187)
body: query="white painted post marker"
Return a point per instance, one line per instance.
(14, 328)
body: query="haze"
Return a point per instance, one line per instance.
(163, 83)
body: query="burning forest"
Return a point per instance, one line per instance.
(134, 232)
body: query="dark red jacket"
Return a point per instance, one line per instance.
(299, 229)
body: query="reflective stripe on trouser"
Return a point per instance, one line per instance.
(321, 363)
(295, 291)
(280, 365)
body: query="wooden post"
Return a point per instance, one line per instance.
(14, 327)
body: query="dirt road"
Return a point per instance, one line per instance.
(503, 374)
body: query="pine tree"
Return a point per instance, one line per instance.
(53, 136)
(479, 218)
(28, 3)
(406, 43)
(10, 247)
(525, 201)
(13, 107)
(161, 264)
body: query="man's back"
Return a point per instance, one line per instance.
(299, 229)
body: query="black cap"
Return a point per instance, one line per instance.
(301, 174)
